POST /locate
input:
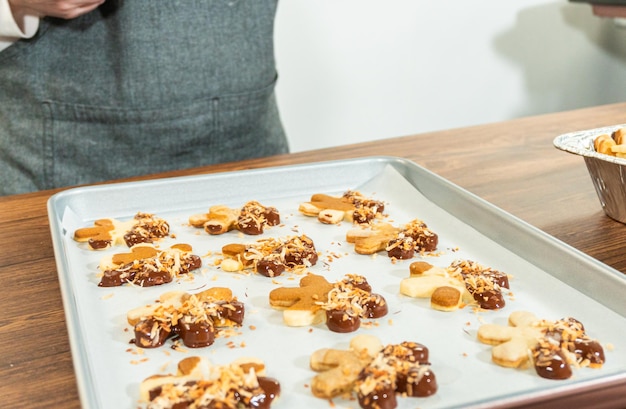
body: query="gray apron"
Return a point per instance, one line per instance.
(138, 87)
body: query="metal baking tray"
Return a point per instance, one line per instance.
(549, 278)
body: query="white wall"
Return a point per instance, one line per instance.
(357, 70)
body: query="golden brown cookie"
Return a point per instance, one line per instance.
(146, 265)
(552, 347)
(192, 318)
(485, 284)
(446, 293)
(104, 233)
(446, 298)
(339, 369)
(271, 256)
(399, 242)
(373, 374)
(143, 228)
(371, 239)
(468, 282)
(199, 383)
(512, 343)
(302, 305)
(251, 219)
(341, 305)
(219, 220)
(351, 206)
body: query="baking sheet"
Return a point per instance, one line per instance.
(549, 278)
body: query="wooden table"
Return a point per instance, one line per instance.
(512, 164)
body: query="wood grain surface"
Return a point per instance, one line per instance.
(512, 164)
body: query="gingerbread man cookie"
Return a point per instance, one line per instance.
(341, 305)
(552, 347)
(143, 228)
(198, 383)
(446, 293)
(251, 219)
(375, 374)
(300, 305)
(485, 284)
(350, 301)
(193, 318)
(147, 265)
(339, 369)
(351, 206)
(270, 257)
(399, 242)
(463, 282)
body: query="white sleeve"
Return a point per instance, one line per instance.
(10, 28)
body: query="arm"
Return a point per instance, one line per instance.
(20, 18)
(23, 26)
(617, 11)
(66, 9)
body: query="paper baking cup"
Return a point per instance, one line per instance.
(608, 173)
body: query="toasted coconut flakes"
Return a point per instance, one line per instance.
(164, 367)
(179, 348)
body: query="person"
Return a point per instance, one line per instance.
(113, 89)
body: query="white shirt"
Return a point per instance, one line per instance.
(10, 30)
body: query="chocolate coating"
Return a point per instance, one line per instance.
(409, 351)
(231, 310)
(552, 365)
(146, 337)
(270, 391)
(426, 242)
(589, 349)
(99, 244)
(490, 299)
(359, 282)
(416, 383)
(402, 248)
(375, 307)
(196, 334)
(342, 321)
(270, 267)
(301, 256)
(272, 217)
(383, 397)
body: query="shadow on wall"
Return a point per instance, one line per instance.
(555, 71)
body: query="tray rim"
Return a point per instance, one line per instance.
(615, 381)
